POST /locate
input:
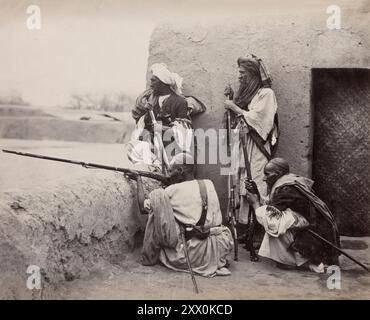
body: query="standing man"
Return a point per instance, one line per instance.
(254, 110)
(292, 207)
(190, 205)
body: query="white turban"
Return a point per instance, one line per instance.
(160, 70)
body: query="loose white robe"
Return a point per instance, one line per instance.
(262, 110)
(140, 152)
(278, 236)
(206, 255)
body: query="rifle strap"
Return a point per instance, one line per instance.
(246, 159)
(204, 197)
(259, 142)
(275, 128)
(249, 172)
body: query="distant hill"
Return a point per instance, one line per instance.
(12, 99)
(115, 102)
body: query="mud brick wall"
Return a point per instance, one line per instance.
(205, 53)
(70, 230)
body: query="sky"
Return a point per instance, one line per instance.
(97, 46)
(75, 51)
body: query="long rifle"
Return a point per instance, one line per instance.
(182, 234)
(158, 138)
(232, 212)
(156, 176)
(336, 248)
(232, 216)
(251, 213)
(229, 93)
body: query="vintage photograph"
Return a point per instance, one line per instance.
(195, 150)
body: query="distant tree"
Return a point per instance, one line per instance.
(14, 98)
(76, 101)
(114, 102)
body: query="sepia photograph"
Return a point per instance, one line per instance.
(207, 151)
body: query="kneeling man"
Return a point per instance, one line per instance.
(191, 206)
(291, 208)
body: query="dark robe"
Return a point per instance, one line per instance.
(302, 200)
(174, 108)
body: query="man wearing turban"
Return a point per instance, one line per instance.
(292, 207)
(165, 99)
(170, 108)
(254, 117)
(182, 204)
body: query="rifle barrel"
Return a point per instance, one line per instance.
(183, 239)
(231, 210)
(228, 133)
(151, 175)
(336, 248)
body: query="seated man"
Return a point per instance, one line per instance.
(180, 207)
(164, 98)
(163, 104)
(163, 119)
(292, 207)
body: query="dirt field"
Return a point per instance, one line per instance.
(63, 124)
(249, 280)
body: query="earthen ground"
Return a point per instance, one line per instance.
(249, 280)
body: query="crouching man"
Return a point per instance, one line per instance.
(190, 206)
(292, 207)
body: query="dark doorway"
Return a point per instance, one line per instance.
(341, 149)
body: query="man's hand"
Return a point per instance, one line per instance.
(230, 105)
(229, 92)
(132, 175)
(252, 193)
(251, 186)
(253, 199)
(147, 205)
(148, 106)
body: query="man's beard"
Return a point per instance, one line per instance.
(156, 91)
(242, 84)
(161, 89)
(249, 85)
